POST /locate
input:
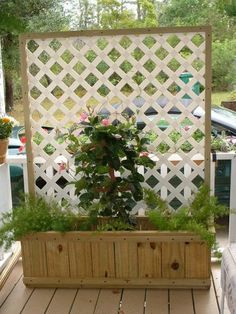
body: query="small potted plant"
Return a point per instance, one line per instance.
(6, 126)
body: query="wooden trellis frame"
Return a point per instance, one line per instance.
(61, 75)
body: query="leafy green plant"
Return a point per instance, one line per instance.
(197, 217)
(35, 214)
(6, 126)
(107, 157)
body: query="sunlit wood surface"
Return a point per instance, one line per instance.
(16, 298)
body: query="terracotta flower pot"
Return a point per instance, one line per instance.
(3, 150)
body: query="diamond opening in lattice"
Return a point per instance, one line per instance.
(150, 89)
(57, 92)
(139, 101)
(149, 41)
(91, 79)
(152, 136)
(92, 102)
(61, 182)
(186, 52)
(138, 78)
(78, 44)
(102, 43)
(175, 136)
(152, 181)
(162, 100)
(175, 181)
(114, 55)
(40, 182)
(68, 79)
(127, 113)
(198, 64)
(35, 92)
(137, 54)
(198, 135)
(102, 67)
(173, 40)
(149, 65)
(127, 89)
(90, 55)
(45, 80)
(34, 69)
(161, 53)
(59, 115)
(197, 40)
(69, 103)
(80, 91)
(67, 56)
(47, 104)
(186, 147)
(44, 57)
(150, 111)
(162, 77)
(126, 66)
(197, 181)
(55, 44)
(103, 90)
(56, 68)
(175, 203)
(141, 124)
(163, 148)
(186, 123)
(173, 88)
(125, 42)
(201, 88)
(36, 115)
(173, 65)
(115, 78)
(49, 149)
(32, 45)
(79, 67)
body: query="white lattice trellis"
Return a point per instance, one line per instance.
(118, 72)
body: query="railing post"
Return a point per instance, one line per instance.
(5, 197)
(232, 216)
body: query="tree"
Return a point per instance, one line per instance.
(30, 15)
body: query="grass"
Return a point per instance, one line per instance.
(218, 97)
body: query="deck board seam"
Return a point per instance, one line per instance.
(13, 287)
(50, 301)
(23, 307)
(77, 291)
(214, 287)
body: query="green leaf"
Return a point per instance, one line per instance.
(80, 185)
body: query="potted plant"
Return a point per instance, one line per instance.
(6, 125)
(62, 248)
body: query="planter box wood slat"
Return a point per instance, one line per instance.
(116, 259)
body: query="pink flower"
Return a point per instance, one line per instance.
(83, 116)
(144, 154)
(186, 128)
(62, 166)
(105, 122)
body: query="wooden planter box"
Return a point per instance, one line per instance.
(116, 259)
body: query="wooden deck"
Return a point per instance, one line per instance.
(16, 298)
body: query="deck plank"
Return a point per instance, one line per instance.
(61, 301)
(12, 280)
(17, 299)
(38, 301)
(157, 299)
(108, 301)
(181, 302)
(85, 301)
(205, 301)
(132, 301)
(215, 269)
